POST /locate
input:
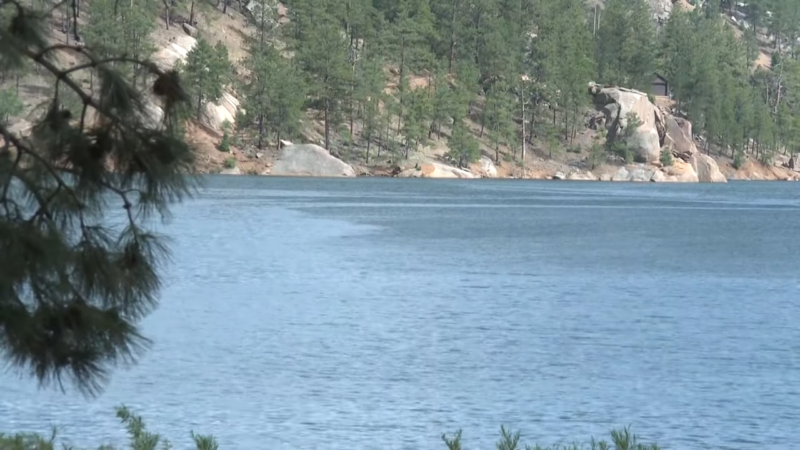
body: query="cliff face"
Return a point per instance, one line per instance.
(657, 132)
(661, 10)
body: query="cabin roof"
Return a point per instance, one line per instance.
(659, 77)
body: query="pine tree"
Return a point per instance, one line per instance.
(626, 53)
(417, 121)
(10, 105)
(464, 149)
(497, 118)
(122, 28)
(206, 70)
(274, 95)
(370, 94)
(73, 284)
(323, 54)
(443, 104)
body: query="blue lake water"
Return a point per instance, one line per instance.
(380, 313)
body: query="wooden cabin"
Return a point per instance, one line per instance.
(660, 86)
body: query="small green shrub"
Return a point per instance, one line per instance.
(225, 144)
(738, 160)
(628, 155)
(230, 163)
(574, 149)
(142, 439)
(10, 105)
(620, 440)
(666, 158)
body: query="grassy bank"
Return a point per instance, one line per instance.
(141, 439)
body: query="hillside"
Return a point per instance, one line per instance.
(389, 87)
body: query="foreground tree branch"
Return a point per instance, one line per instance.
(72, 287)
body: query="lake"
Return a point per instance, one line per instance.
(380, 313)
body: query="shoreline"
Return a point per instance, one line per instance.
(267, 175)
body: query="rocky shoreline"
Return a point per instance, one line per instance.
(656, 131)
(309, 160)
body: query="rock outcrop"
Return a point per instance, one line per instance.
(679, 172)
(435, 170)
(635, 173)
(310, 160)
(618, 104)
(679, 138)
(190, 30)
(231, 171)
(214, 114)
(659, 131)
(487, 167)
(175, 51)
(577, 175)
(661, 10)
(707, 169)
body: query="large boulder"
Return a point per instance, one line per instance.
(679, 136)
(635, 173)
(224, 110)
(642, 174)
(661, 10)
(578, 175)
(707, 169)
(435, 170)
(190, 30)
(488, 169)
(679, 172)
(175, 51)
(617, 104)
(231, 171)
(311, 161)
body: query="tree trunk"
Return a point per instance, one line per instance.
(191, 14)
(327, 127)
(75, 13)
(531, 127)
(166, 13)
(523, 130)
(199, 106)
(352, 110)
(400, 83)
(452, 57)
(380, 143)
(261, 132)
(369, 140)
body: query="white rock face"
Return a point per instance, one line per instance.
(178, 48)
(214, 114)
(707, 169)
(578, 175)
(616, 104)
(224, 110)
(232, 171)
(310, 160)
(661, 10)
(435, 170)
(488, 169)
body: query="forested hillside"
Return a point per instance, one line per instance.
(377, 82)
